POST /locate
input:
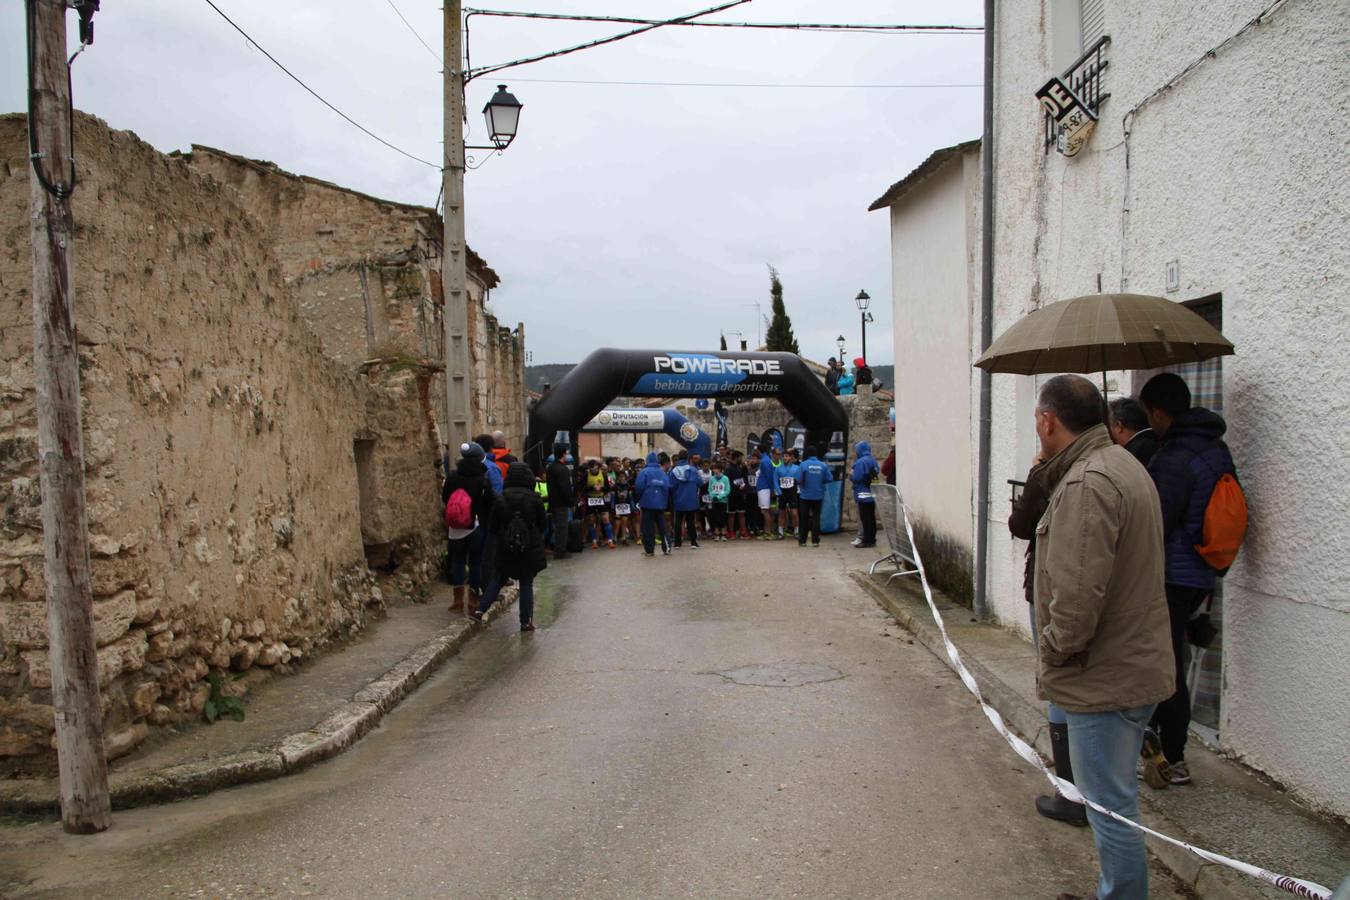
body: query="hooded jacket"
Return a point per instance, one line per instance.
(1185, 469)
(865, 471)
(518, 496)
(845, 384)
(1104, 635)
(653, 486)
(685, 481)
(812, 478)
(470, 474)
(765, 478)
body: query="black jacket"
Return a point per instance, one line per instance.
(1143, 445)
(1185, 469)
(472, 476)
(559, 478)
(518, 497)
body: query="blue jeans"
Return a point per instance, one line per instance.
(525, 601)
(1105, 748)
(466, 559)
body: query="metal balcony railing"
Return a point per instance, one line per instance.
(1084, 78)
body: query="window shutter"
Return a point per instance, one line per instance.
(1093, 21)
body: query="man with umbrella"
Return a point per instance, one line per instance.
(1105, 654)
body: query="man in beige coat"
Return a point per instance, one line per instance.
(1103, 635)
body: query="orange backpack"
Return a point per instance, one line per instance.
(1225, 524)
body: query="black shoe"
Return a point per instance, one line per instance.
(528, 626)
(1053, 806)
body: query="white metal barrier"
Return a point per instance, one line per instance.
(890, 508)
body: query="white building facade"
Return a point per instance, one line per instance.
(1217, 176)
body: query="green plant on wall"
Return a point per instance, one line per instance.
(219, 705)
(780, 335)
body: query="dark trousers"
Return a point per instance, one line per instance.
(867, 512)
(653, 523)
(558, 515)
(717, 514)
(686, 521)
(1172, 718)
(810, 521)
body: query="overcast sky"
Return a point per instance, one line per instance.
(623, 215)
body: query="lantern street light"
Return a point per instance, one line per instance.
(503, 116)
(840, 341)
(863, 302)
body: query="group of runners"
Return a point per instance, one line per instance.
(740, 496)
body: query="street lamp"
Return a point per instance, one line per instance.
(863, 302)
(503, 116)
(840, 341)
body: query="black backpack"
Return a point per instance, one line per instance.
(516, 537)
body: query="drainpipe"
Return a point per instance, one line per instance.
(986, 319)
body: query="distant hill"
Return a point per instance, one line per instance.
(884, 374)
(552, 373)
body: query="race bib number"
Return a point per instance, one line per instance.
(787, 484)
(624, 509)
(595, 501)
(866, 496)
(739, 482)
(707, 500)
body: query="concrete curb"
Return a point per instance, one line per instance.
(1209, 881)
(339, 730)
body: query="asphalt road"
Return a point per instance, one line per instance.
(739, 721)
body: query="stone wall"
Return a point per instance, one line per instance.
(366, 272)
(225, 504)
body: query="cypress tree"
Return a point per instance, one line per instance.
(724, 342)
(780, 335)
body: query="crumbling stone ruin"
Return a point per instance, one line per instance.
(261, 438)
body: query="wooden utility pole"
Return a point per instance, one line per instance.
(458, 366)
(56, 365)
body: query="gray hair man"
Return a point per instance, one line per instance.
(1103, 635)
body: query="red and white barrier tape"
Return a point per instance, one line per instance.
(1296, 886)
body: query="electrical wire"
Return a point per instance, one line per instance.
(59, 190)
(470, 74)
(795, 26)
(737, 84)
(315, 93)
(433, 53)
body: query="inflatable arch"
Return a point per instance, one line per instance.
(668, 421)
(609, 373)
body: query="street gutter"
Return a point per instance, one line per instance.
(340, 729)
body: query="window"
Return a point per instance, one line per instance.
(1092, 22)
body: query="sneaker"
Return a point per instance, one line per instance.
(609, 544)
(1156, 773)
(857, 542)
(815, 543)
(695, 546)
(1179, 773)
(595, 545)
(528, 626)
(476, 616)
(665, 551)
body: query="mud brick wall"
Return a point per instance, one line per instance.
(225, 503)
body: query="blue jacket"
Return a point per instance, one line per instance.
(494, 477)
(767, 480)
(865, 471)
(652, 486)
(788, 470)
(1185, 469)
(685, 481)
(845, 384)
(812, 478)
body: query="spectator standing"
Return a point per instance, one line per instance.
(517, 525)
(1104, 653)
(653, 490)
(813, 475)
(1189, 462)
(467, 542)
(1130, 429)
(494, 472)
(845, 385)
(862, 373)
(500, 455)
(832, 372)
(685, 484)
(865, 471)
(888, 467)
(561, 498)
(766, 491)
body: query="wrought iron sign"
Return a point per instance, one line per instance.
(1071, 101)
